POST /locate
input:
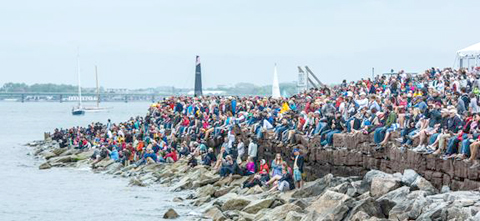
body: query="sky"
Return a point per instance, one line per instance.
(152, 43)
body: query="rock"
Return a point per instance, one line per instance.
(317, 187)
(367, 179)
(383, 185)
(136, 182)
(294, 216)
(423, 184)
(48, 154)
(215, 214)
(256, 206)
(84, 155)
(359, 216)
(368, 206)
(222, 191)
(177, 199)
(45, 166)
(311, 216)
(445, 189)
(62, 159)
(409, 176)
(171, 214)
(434, 212)
(235, 204)
(202, 200)
(389, 200)
(204, 191)
(103, 163)
(331, 205)
(278, 213)
(69, 152)
(59, 151)
(410, 208)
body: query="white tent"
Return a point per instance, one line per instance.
(470, 52)
(275, 85)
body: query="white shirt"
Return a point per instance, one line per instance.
(252, 149)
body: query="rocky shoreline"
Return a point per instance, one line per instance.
(376, 196)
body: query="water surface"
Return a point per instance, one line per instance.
(27, 193)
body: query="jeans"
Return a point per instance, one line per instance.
(319, 128)
(329, 137)
(379, 134)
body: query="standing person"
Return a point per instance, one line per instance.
(240, 150)
(298, 168)
(252, 151)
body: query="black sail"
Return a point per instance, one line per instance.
(198, 78)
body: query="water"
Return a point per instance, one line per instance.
(27, 193)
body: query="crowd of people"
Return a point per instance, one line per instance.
(437, 110)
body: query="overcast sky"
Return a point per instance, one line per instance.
(153, 43)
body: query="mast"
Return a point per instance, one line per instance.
(78, 76)
(98, 90)
(275, 86)
(198, 78)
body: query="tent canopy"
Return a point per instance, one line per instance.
(470, 51)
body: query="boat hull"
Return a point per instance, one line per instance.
(78, 112)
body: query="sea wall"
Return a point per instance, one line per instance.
(353, 155)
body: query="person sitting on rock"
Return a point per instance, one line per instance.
(249, 167)
(209, 158)
(192, 161)
(285, 182)
(264, 171)
(253, 181)
(277, 165)
(227, 166)
(171, 157)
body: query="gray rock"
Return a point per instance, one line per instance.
(331, 205)
(368, 206)
(235, 204)
(367, 179)
(421, 183)
(215, 214)
(389, 200)
(409, 176)
(170, 214)
(294, 216)
(445, 189)
(177, 199)
(45, 166)
(410, 208)
(256, 206)
(317, 187)
(382, 185)
(278, 213)
(204, 191)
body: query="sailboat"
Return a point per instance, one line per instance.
(96, 108)
(275, 85)
(78, 110)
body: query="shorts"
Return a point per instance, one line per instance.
(283, 186)
(297, 175)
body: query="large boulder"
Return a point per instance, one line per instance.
(235, 204)
(278, 213)
(389, 200)
(410, 208)
(409, 176)
(215, 214)
(421, 183)
(331, 205)
(171, 214)
(48, 154)
(222, 191)
(256, 206)
(383, 185)
(368, 178)
(61, 159)
(294, 216)
(45, 166)
(317, 187)
(204, 191)
(368, 206)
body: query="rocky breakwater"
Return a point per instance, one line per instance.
(376, 196)
(354, 155)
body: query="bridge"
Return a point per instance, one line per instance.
(73, 96)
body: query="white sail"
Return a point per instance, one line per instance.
(275, 85)
(79, 82)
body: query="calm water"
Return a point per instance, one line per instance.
(27, 193)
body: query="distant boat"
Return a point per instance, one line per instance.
(78, 110)
(96, 108)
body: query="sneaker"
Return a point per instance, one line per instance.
(475, 165)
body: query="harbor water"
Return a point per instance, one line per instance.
(28, 193)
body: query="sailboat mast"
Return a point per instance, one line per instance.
(79, 82)
(98, 90)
